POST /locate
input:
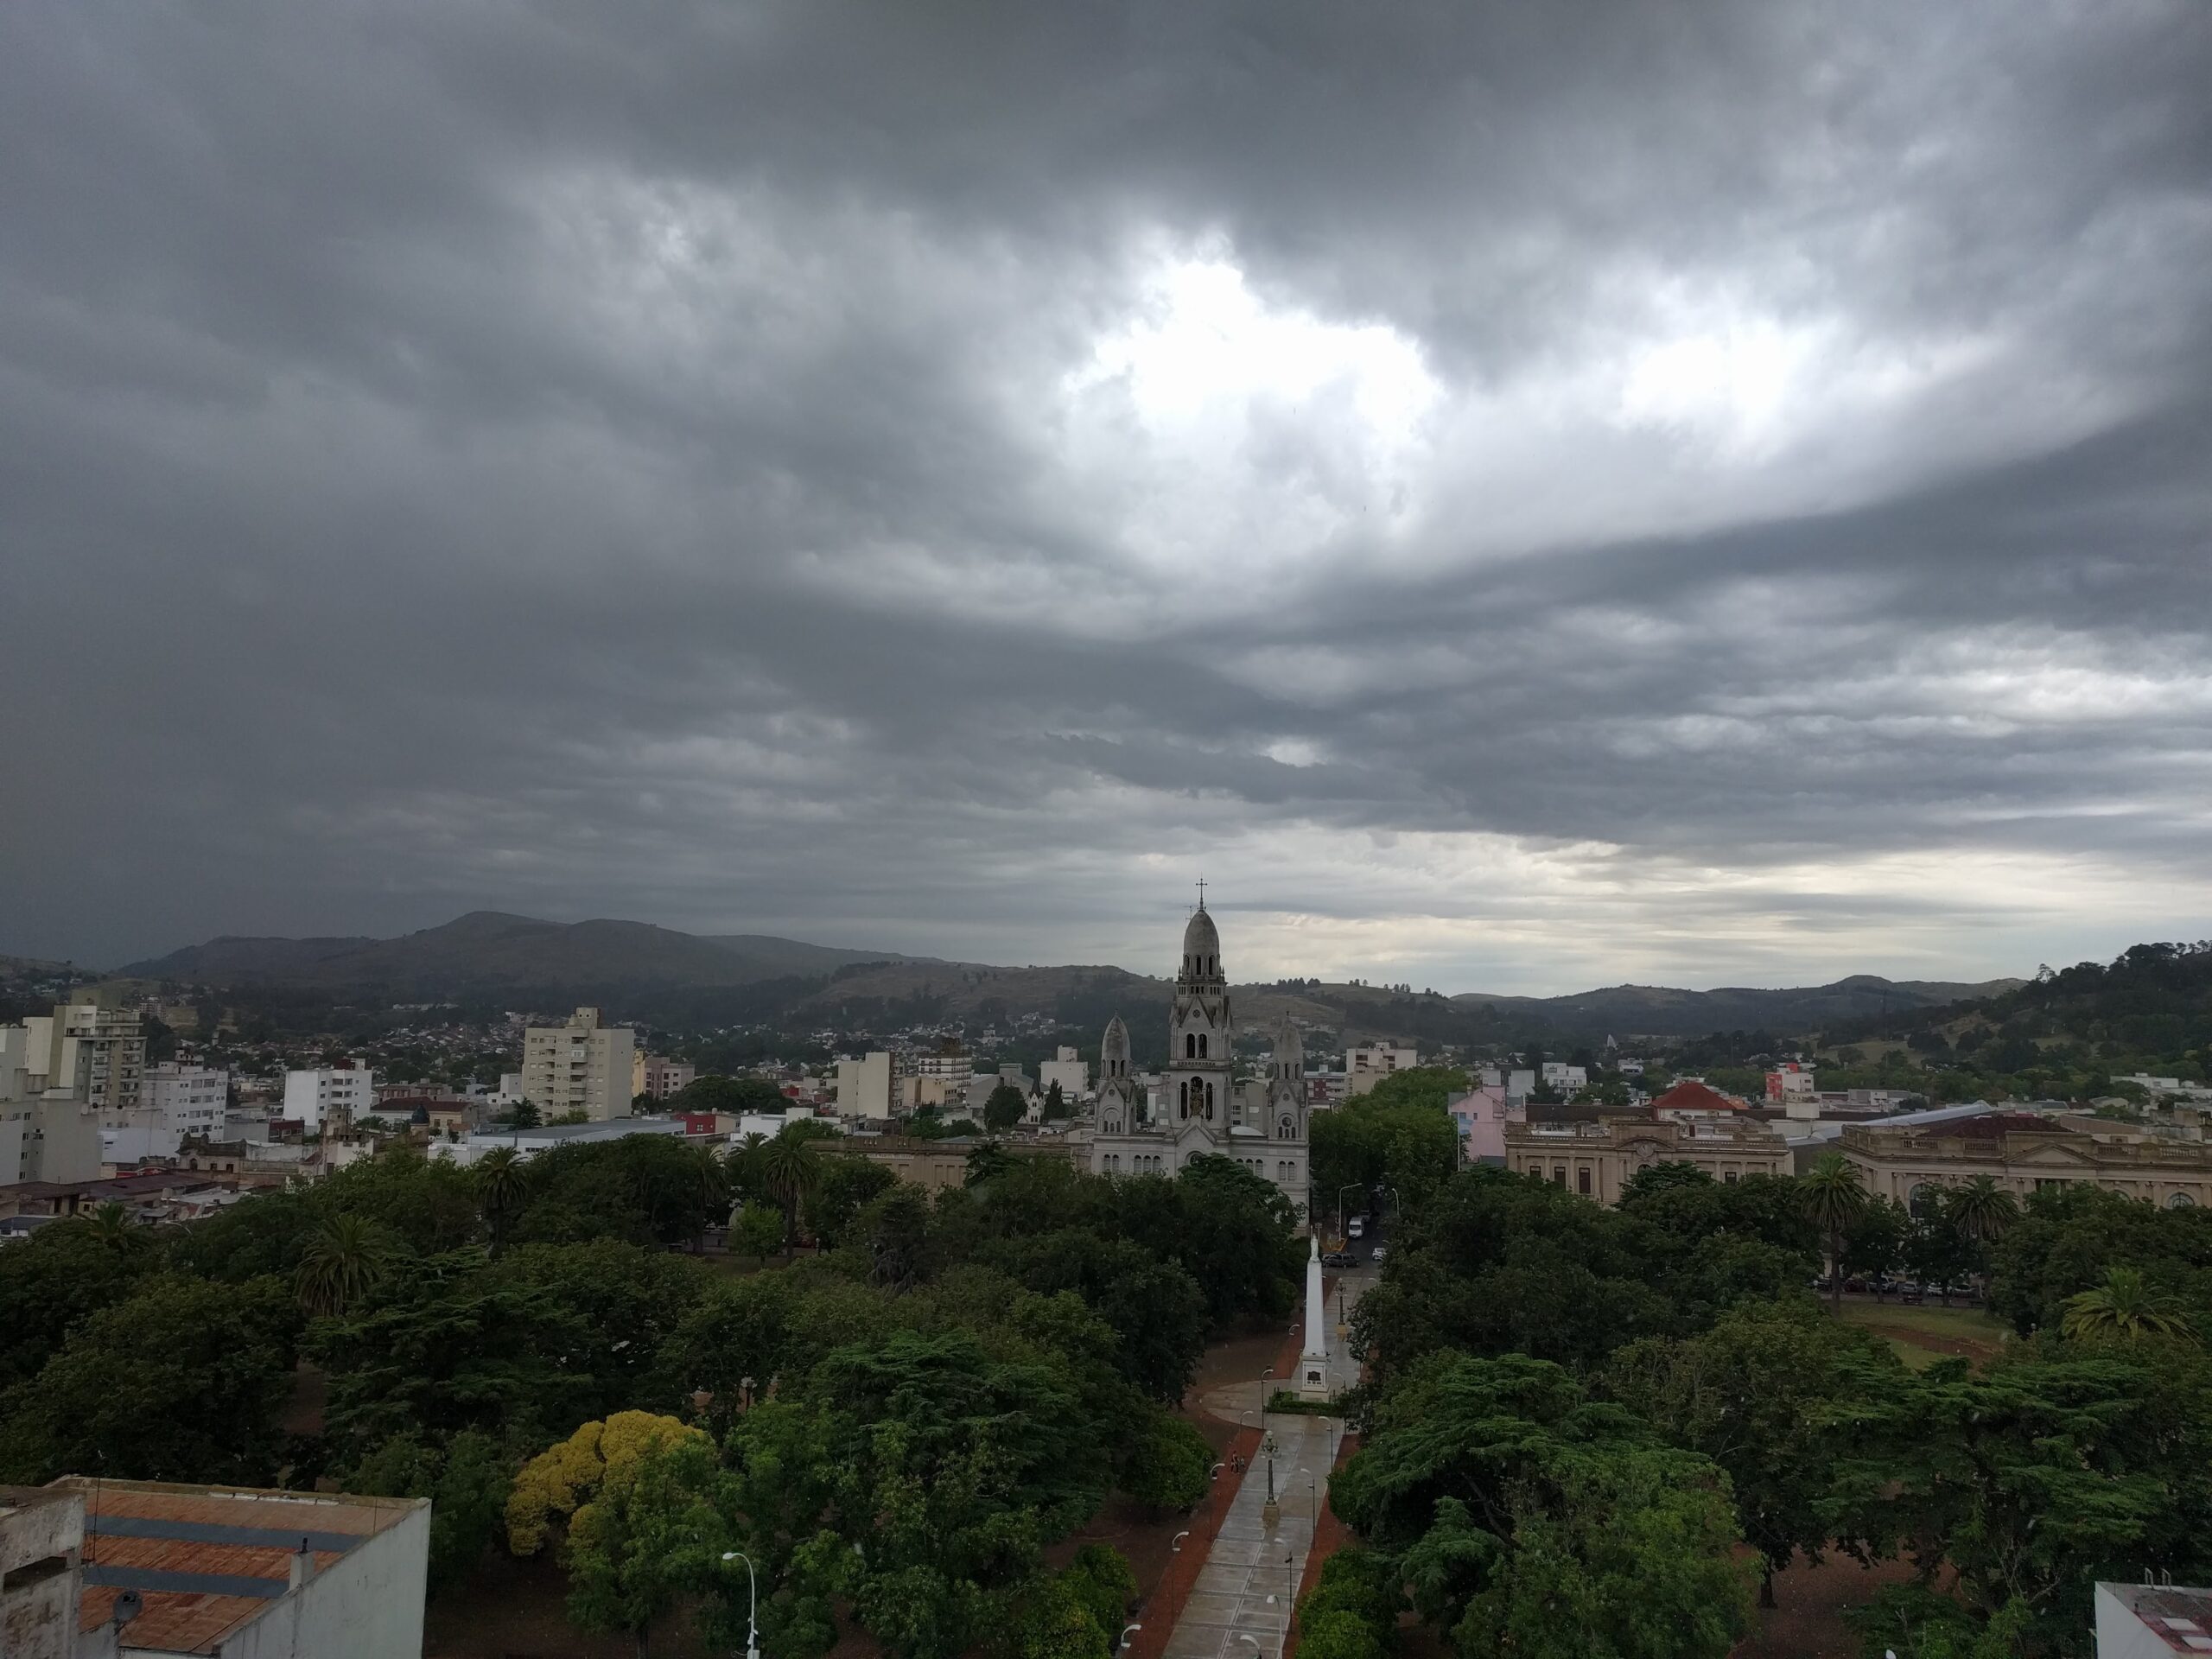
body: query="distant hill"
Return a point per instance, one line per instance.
(488, 952)
(1661, 1011)
(679, 977)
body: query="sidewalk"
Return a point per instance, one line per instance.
(1242, 1594)
(1231, 1587)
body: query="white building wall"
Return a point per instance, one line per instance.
(367, 1604)
(312, 1096)
(1072, 1074)
(188, 1099)
(864, 1086)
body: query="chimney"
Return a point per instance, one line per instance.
(302, 1566)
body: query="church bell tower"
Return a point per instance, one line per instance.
(1201, 1032)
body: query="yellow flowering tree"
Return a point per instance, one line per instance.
(558, 1483)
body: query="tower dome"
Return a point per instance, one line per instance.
(1290, 1047)
(1201, 947)
(1114, 1050)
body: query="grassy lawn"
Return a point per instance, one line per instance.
(1925, 1334)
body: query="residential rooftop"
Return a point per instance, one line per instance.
(208, 1561)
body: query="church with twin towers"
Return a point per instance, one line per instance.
(1199, 1109)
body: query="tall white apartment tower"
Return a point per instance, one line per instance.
(582, 1066)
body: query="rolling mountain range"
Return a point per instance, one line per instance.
(659, 973)
(487, 951)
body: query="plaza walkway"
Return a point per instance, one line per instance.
(1242, 1600)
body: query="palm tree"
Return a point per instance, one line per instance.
(342, 1263)
(2124, 1308)
(744, 1164)
(501, 1184)
(789, 1168)
(1979, 1212)
(1832, 1200)
(111, 1224)
(711, 1183)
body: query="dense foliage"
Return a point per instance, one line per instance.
(1574, 1414)
(896, 1425)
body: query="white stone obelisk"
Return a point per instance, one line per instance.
(1313, 1363)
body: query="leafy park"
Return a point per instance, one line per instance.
(1593, 1431)
(898, 1428)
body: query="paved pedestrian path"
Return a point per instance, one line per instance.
(1241, 1597)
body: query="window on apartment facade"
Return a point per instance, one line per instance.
(1558, 1174)
(1582, 1182)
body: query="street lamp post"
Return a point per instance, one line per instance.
(752, 1602)
(1129, 1631)
(1347, 1188)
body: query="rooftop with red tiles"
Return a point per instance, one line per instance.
(1691, 1096)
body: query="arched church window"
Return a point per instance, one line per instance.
(1285, 1128)
(2181, 1201)
(1183, 1097)
(1202, 1045)
(1208, 1102)
(1189, 1046)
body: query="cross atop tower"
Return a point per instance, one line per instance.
(1202, 893)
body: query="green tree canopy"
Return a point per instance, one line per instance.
(1006, 1107)
(181, 1381)
(1528, 1518)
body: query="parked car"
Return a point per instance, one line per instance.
(1339, 1259)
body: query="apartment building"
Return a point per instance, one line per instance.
(334, 1096)
(187, 1099)
(88, 1051)
(582, 1066)
(864, 1085)
(1365, 1067)
(657, 1077)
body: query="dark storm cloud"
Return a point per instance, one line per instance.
(1537, 493)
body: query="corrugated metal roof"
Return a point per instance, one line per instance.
(206, 1560)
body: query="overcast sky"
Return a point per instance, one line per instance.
(1520, 497)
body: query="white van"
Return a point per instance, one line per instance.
(1356, 1228)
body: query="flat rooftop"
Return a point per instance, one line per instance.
(2179, 1616)
(208, 1561)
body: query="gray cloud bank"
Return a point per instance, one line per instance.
(1520, 496)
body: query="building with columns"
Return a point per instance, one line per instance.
(1913, 1162)
(1597, 1159)
(1200, 1112)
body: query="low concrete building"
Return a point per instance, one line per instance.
(528, 1143)
(935, 1164)
(240, 1573)
(2022, 1152)
(41, 1545)
(2152, 1621)
(1597, 1158)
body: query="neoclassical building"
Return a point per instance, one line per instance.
(1202, 1109)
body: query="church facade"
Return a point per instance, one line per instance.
(1203, 1111)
